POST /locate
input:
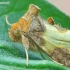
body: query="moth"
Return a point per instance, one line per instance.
(38, 34)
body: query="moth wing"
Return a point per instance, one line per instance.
(35, 30)
(35, 33)
(35, 25)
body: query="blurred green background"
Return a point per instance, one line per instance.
(12, 55)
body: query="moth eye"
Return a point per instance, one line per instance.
(16, 31)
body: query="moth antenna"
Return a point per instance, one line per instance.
(7, 21)
(26, 56)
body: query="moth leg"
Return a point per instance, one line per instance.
(26, 56)
(25, 43)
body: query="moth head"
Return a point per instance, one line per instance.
(14, 32)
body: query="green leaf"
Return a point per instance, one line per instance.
(12, 55)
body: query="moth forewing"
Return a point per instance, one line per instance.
(35, 30)
(58, 44)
